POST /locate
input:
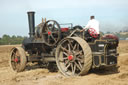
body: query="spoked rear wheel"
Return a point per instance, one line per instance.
(73, 56)
(17, 59)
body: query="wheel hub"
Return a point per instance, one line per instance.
(49, 33)
(70, 57)
(16, 59)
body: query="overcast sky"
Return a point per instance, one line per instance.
(112, 14)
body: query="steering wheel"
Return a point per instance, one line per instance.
(77, 27)
(93, 32)
(76, 31)
(51, 32)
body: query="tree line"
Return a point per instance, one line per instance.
(11, 40)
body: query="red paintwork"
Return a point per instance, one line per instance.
(49, 33)
(16, 59)
(93, 32)
(110, 36)
(70, 57)
(64, 29)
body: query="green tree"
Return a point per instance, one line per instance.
(7, 40)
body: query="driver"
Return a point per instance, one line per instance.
(92, 23)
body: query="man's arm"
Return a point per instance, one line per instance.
(86, 27)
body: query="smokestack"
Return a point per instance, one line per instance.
(31, 22)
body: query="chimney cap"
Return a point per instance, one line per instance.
(30, 12)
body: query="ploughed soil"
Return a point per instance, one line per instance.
(41, 76)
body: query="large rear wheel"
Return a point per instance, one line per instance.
(17, 59)
(73, 56)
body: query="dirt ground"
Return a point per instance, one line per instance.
(40, 76)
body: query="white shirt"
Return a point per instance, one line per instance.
(93, 24)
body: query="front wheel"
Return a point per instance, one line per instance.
(17, 59)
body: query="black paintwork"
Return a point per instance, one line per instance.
(31, 22)
(104, 51)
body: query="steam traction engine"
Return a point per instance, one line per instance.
(71, 51)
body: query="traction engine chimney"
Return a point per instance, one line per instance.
(31, 22)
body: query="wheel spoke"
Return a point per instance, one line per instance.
(64, 49)
(52, 30)
(53, 25)
(17, 54)
(67, 62)
(55, 32)
(65, 58)
(13, 53)
(12, 60)
(74, 47)
(69, 48)
(67, 66)
(14, 56)
(78, 66)
(79, 59)
(78, 53)
(45, 33)
(80, 56)
(53, 38)
(74, 69)
(78, 47)
(13, 65)
(70, 44)
(48, 39)
(72, 66)
(17, 65)
(65, 54)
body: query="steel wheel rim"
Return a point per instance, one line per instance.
(71, 62)
(15, 59)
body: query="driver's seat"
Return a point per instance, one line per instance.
(91, 35)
